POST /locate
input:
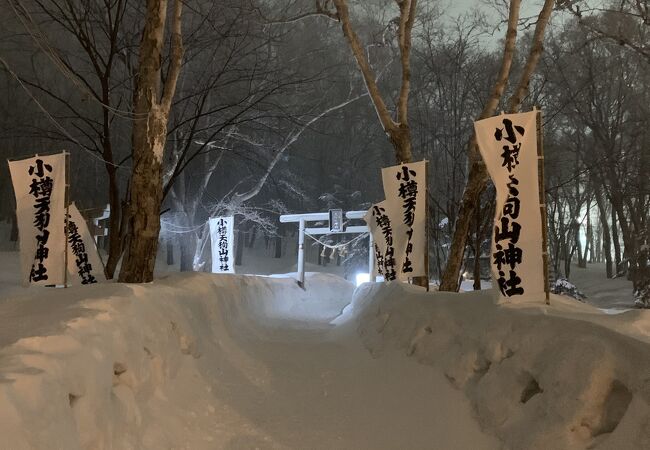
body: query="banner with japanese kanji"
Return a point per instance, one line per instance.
(405, 187)
(379, 224)
(222, 237)
(84, 263)
(40, 186)
(508, 145)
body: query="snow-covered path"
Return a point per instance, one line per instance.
(323, 390)
(201, 362)
(196, 361)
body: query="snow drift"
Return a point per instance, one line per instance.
(560, 377)
(196, 361)
(127, 367)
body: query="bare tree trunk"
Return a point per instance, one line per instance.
(149, 136)
(563, 251)
(170, 252)
(252, 238)
(278, 243)
(114, 224)
(398, 131)
(396, 127)
(199, 262)
(476, 182)
(187, 244)
(239, 250)
(607, 244)
(626, 231)
(477, 177)
(554, 238)
(617, 243)
(477, 250)
(582, 264)
(589, 250)
(640, 269)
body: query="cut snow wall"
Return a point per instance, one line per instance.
(537, 377)
(133, 364)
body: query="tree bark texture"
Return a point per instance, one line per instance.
(607, 243)
(397, 131)
(149, 136)
(478, 177)
(396, 128)
(115, 232)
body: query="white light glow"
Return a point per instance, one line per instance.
(362, 278)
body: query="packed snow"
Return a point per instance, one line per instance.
(201, 361)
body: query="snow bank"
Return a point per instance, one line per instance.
(561, 377)
(196, 361)
(92, 367)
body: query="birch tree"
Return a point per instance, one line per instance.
(152, 104)
(626, 22)
(478, 177)
(395, 124)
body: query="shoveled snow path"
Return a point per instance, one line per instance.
(326, 392)
(199, 362)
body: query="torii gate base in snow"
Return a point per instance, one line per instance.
(302, 220)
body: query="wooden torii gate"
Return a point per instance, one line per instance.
(303, 219)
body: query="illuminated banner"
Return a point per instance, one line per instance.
(39, 186)
(84, 263)
(222, 237)
(406, 190)
(508, 144)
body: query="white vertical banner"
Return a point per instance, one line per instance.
(405, 187)
(222, 238)
(39, 186)
(508, 145)
(379, 224)
(84, 263)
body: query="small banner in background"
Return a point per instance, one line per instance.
(39, 186)
(508, 145)
(222, 237)
(405, 187)
(84, 263)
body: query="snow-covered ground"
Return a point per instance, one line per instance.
(200, 361)
(613, 293)
(213, 362)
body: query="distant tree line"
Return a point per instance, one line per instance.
(185, 110)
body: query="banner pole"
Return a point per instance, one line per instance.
(301, 253)
(542, 202)
(66, 156)
(426, 223)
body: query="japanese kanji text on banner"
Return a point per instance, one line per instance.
(508, 145)
(380, 226)
(39, 186)
(222, 236)
(84, 263)
(405, 190)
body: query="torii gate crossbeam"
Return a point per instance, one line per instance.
(302, 220)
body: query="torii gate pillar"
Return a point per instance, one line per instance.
(302, 219)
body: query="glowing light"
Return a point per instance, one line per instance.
(362, 278)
